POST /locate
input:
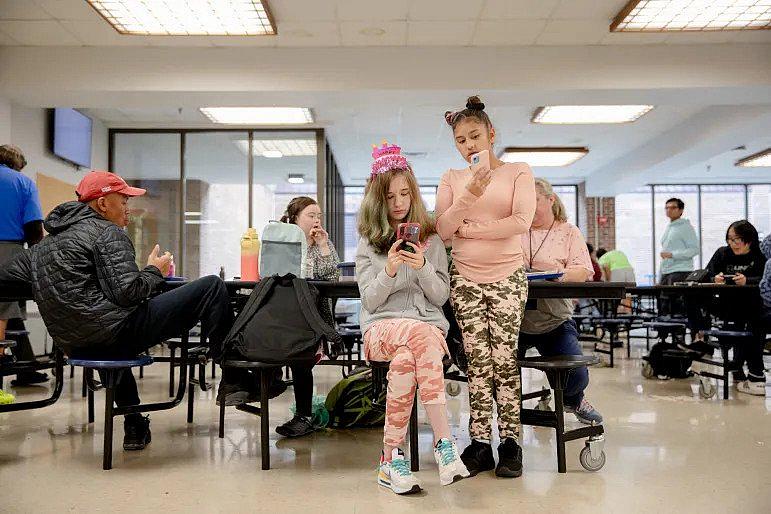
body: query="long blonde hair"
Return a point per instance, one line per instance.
(373, 214)
(557, 208)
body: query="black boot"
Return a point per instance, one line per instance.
(478, 457)
(509, 459)
(136, 432)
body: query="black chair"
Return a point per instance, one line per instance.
(13, 366)
(613, 326)
(266, 372)
(380, 381)
(111, 372)
(558, 369)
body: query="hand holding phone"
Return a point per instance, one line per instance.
(408, 233)
(480, 167)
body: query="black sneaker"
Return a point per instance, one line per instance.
(29, 378)
(478, 457)
(509, 459)
(136, 432)
(298, 426)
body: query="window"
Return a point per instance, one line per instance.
(759, 208)
(720, 206)
(633, 232)
(569, 197)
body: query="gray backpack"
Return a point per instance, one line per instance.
(283, 249)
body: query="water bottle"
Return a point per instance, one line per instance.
(250, 255)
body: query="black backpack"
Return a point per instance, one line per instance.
(280, 323)
(667, 360)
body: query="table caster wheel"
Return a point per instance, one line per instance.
(591, 462)
(707, 390)
(647, 370)
(452, 388)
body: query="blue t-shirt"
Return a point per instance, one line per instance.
(19, 204)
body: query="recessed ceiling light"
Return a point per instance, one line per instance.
(201, 222)
(287, 147)
(259, 115)
(544, 156)
(758, 160)
(192, 213)
(692, 15)
(187, 18)
(272, 154)
(372, 31)
(586, 114)
(296, 178)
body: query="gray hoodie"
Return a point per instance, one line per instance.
(414, 294)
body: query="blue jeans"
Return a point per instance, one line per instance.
(563, 340)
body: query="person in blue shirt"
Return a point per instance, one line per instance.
(679, 245)
(21, 221)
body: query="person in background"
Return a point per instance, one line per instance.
(740, 262)
(679, 245)
(482, 211)
(321, 264)
(596, 270)
(97, 304)
(617, 268)
(765, 285)
(402, 294)
(21, 221)
(554, 244)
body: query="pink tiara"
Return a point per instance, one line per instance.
(387, 157)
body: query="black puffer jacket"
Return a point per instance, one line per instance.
(84, 277)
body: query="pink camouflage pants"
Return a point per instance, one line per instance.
(415, 350)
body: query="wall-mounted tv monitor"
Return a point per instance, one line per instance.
(72, 136)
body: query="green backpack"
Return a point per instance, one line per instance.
(350, 402)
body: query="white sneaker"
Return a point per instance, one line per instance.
(396, 475)
(753, 388)
(451, 468)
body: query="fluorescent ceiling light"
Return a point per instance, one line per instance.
(187, 17)
(287, 147)
(272, 154)
(258, 115)
(201, 222)
(544, 156)
(192, 213)
(758, 160)
(585, 114)
(296, 178)
(692, 15)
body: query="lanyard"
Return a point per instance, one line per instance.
(530, 238)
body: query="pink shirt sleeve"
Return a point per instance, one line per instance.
(449, 210)
(578, 253)
(522, 212)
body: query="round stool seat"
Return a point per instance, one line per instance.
(142, 360)
(728, 333)
(663, 324)
(233, 363)
(7, 344)
(559, 362)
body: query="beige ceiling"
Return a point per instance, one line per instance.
(332, 23)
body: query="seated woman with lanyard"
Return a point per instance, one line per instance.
(554, 244)
(321, 264)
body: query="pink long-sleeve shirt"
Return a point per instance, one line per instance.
(485, 231)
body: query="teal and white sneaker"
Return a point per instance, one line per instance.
(396, 475)
(451, 468)
(585, 413)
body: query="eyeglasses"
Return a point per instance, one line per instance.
(730, 240)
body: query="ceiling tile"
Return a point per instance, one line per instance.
(368, 10)
(354, 33)
(38, 33)
(444, 33)
(6, 40)
(100, 33)
(691, 38)
(302, 10)
(507, 32)
(634, 38)
(255, 41)
(21, 10)
(425, 10)
(573, 32)
(162, 41)
(523, 9)
(69, 9)
(588, 9)
(311, 33)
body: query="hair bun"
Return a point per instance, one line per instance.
(475, 104)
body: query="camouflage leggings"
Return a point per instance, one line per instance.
(489, 316)
(415, 350)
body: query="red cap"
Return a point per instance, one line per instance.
(101, 183)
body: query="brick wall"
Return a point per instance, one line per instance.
(601, 235)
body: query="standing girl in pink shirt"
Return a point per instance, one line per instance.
(482, 211)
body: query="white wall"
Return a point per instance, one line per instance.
(29, 130)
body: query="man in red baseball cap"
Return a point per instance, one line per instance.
(95, 301)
